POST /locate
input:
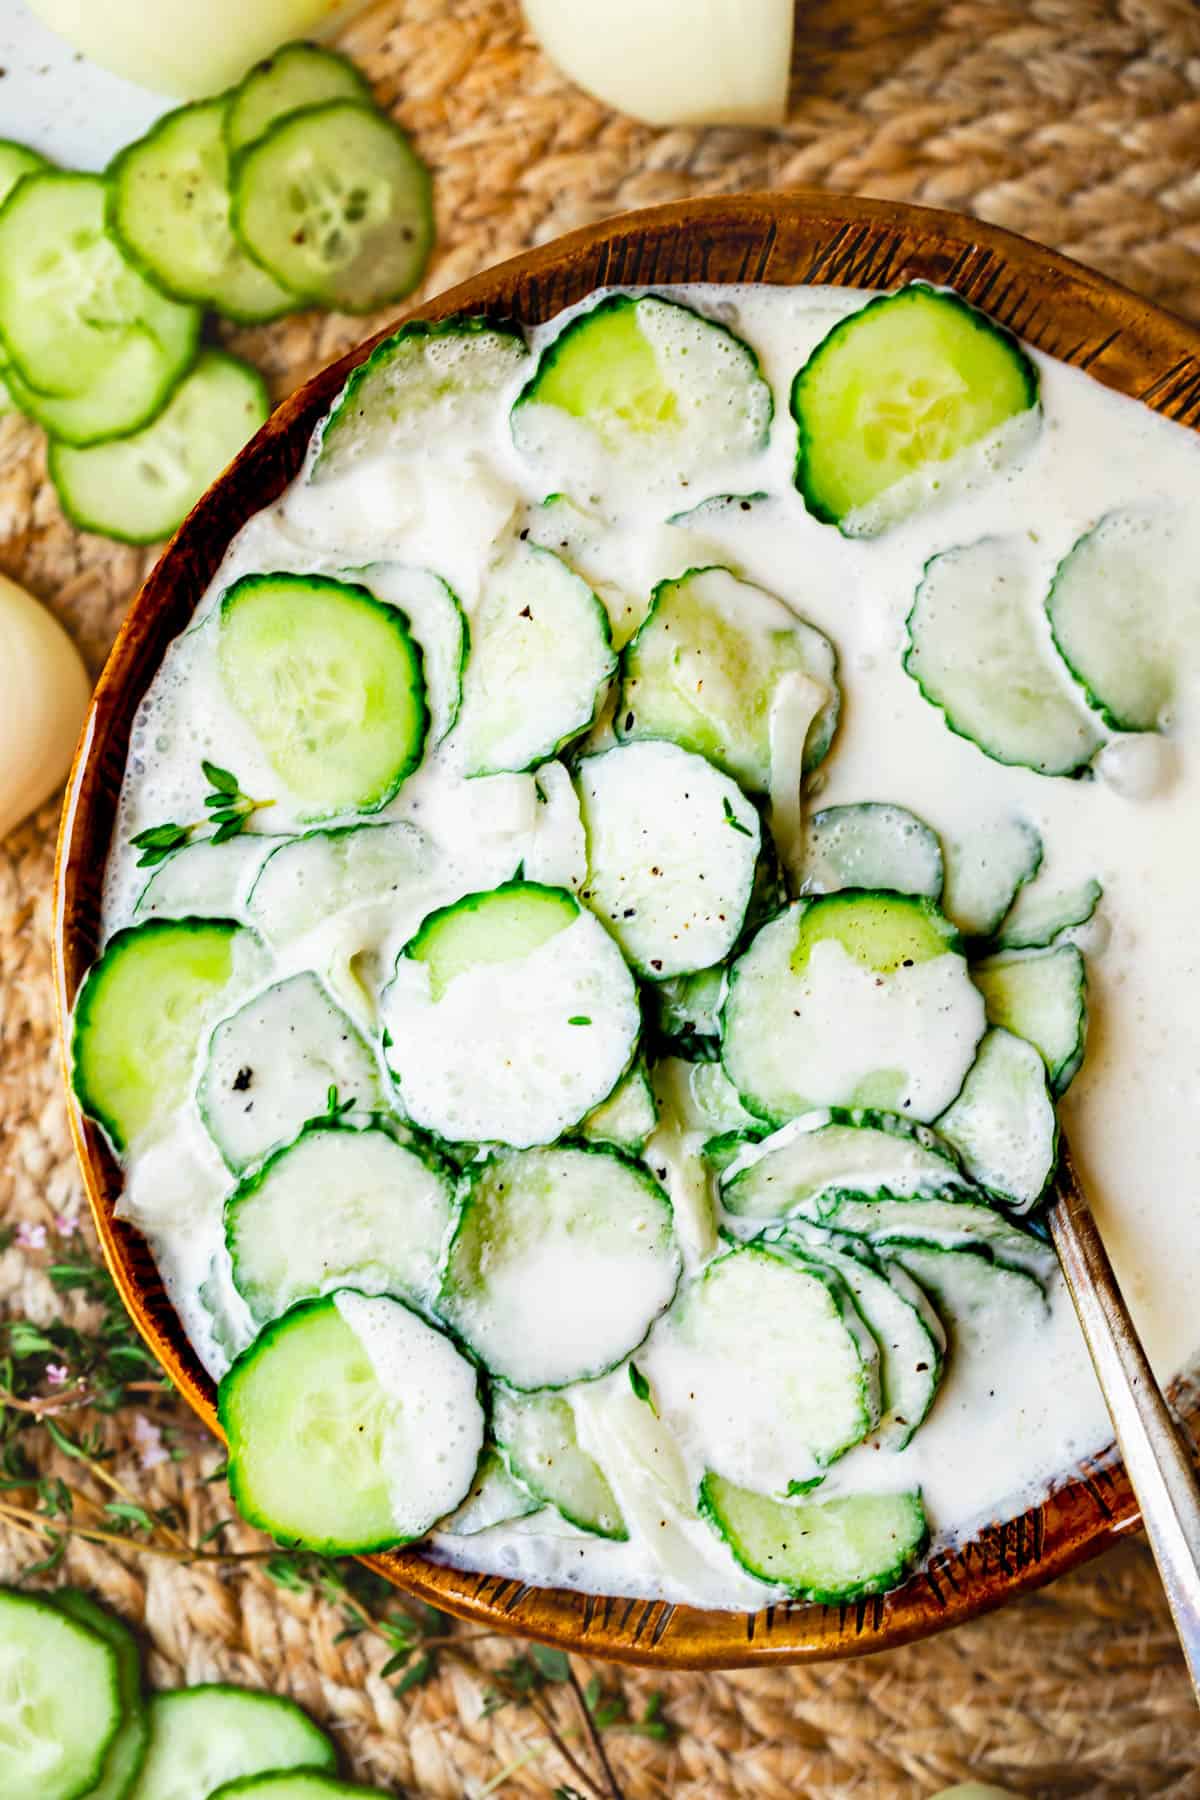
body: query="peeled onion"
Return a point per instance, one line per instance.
(44, 694)
(706, 62)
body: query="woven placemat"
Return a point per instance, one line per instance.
(1076, 121)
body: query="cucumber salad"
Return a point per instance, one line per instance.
(612, 895)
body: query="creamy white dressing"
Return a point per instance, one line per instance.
(1014, 1412)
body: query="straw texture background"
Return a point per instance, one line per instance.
(1075, 121)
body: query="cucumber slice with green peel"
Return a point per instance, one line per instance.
(1040, 995)
(1037, 916)
(717, 1103)
(353, 1425)
(704, 669)
(584, 542)
(824, 1551)
(722, 1150)
(423, 384)
(628, 1117)
(330, 681)
(541, 659)
(986, 870)
(294, 1784)
(296, 75)
(204, 1736)
(139, 489)
(889, 970)
(979, 650)
(17, 160)
(687, 1009)
(556, 855)
(539, 1438)
(496, 1497)
(203, 879)
(837, 1153)
(168, 207)
(988, 1308)
(141, 1015)
(338, 1208)
(94, 348)
(438, 623)
(1003, 1124)
(891, 1226)
(893, 397)
(871, 844)
(335, 204)
(673, 846)
(587, 1229)
(60, 1701)
(511, 1015)
(815, 1388)
(641, 389)
(271, 1066)
(127, 1751)
(308, 879)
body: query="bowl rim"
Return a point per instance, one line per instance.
(791, 238)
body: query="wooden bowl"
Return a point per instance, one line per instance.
(1060, 307)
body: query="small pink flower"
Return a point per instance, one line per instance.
(66, 1224)
(149, 1440)
(56, 1374)
(30, 1237)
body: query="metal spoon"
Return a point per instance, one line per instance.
(1156, 1459)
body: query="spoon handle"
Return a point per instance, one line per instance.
(1156, 1460)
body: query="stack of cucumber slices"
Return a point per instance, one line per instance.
(601, 1139)
(291, 190)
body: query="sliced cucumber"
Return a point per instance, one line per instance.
(337, 1208)
(824, 1551)
(836, 1152)
(644, 390)
(891, 400)
(423, 384)
(871, 844)
(60, 1701)
(986, 870)
(296, 1784)
(352, 1424)
(979, 650)
(329, 680)
(495, 1497)
(1040, 995)
(270, 1068)
(141, 1014)
(17, 160)
(851, 1000)
(585, 543)
(586, 1230)
(139, 489)
(889, 1225)
(1003, 1124)
(204, 879)
(296, 75)
(308, 879)
(688, 1011)
(717, 1104)
(989, 1309)
(705, 668)
(437, 621)
(541, 658)
(510, 1016)
(1038, 916)
(629, 1115)
(538, 1435)
(672, 850)
(815, 1387)
(203, 1736)
(335, 203)
(127, 1752)
(95, 350)
(557, 853)
(168, 206)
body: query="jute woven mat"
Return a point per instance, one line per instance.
(1076, 121)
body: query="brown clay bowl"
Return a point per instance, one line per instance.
(1064, 309)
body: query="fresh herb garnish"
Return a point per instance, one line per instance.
(641, 1387)
(733, 823)
(227, 808)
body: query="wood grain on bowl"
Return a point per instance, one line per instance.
(1061, 308)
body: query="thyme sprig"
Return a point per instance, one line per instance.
(226, 807)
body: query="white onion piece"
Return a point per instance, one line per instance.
(674, 62)
(44, 693)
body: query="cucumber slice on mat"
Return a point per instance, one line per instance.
(1003, 1124)
(296, 75)
(437, 621)
(127, 1751)
(60, 1701)
(541, 658)
(889, 970)
(308, 879)
(672, 849)
(203, 879)
(892, 1225)
(986, 870)
(139, 489)
(352, 1424)
(141, 1014)
(539, 1438)
(204, 1736)
(295, 1784)
(510, 1016)
(979, 650)
(270, 1068)
(893, 396)
(824, 1551)
(836, 1152)
(335, 203)
(1040, 995)
(586, 1229)
(329, 680)
(871, 844)
(168, 207)
(337, 1208)
(496, 1496)
(628, 1117)
(1038, 916)
(704, 668)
